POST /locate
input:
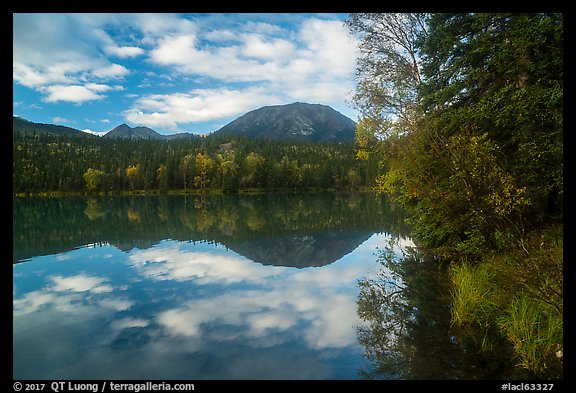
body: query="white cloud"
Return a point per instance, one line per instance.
(326, 318)
(110, 71)
(115, 303)
(124, 51)
(330, 47)
(167, 111)
(37, 77)
(221, 35)
(204, 268)
(58, 119)
(262, 28)
(129, 322)
(321, 301)
(59, 55)
(65, 294)
(323, 49)
(157, 25)
(71, 93)
(97, 87)
(81, 283)
(33, 301)
(76, 93)
(275, 49)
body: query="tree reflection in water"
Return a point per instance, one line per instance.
(407, 333)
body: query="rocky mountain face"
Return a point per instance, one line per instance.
(125, 131)
(297, 121)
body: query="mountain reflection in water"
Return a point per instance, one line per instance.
(272, 229)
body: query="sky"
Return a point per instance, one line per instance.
(176, 72)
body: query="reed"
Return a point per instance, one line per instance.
(535, 330)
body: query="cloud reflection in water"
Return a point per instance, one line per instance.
(185, 310)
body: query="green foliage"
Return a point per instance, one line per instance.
(58, 163)
(388, 70)
(535, 329)
(475, 296)
(516, 296)
(228, 219)
(484, 159)
(204, 164)
(501, 75)
(94, 179)
(480, 167)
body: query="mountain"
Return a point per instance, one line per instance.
(301, 251)
(182, 135)
(27, 127)
(125, 131)
(297, 121)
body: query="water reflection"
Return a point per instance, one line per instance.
(185, 305)
(192, 311)
(406, 330)
(282, 230)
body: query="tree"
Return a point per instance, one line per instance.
(132, 173)
(481, 171)
(502, 74)
(203, 167)
(162, 177)
(489, 99)
(228, 170)
(388, 68)
(255, 176)
(94, 179)
(187, 166)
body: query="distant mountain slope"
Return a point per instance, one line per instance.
(300, 251)
(24, 126)
(125, 131)
(297, 121)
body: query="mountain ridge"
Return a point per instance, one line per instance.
(295, 121)
(19, 124)
(125, 131)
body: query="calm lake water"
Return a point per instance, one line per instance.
(312, 286)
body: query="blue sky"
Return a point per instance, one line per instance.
(176, 72)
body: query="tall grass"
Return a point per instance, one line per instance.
(515, 296)
(535, 330)
(475, 299)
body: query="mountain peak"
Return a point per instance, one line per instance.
(125, 131)
(296, 121)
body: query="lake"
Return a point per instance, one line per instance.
(307, 286)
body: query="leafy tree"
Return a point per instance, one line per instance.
(203, 168)
(94, 179)
(188, 164)
(162, 176)
(501, 74)
(389, 67)
(132, 173)
(228, 171)
(255, 176)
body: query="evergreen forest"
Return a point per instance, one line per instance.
(51, 164)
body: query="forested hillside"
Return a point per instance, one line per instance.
(58, 163)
